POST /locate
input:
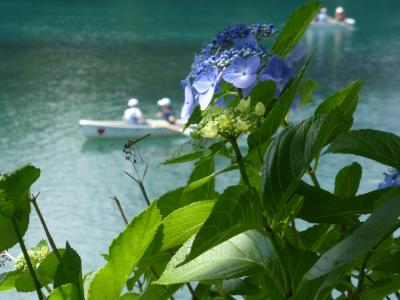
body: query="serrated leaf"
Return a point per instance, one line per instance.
(364, 238)
(290, 155)
(183, 223)
(69, 270)
(130, 296)
(237, 210)
(245, 254)
(65, 292)
(294, 28)
(8, 237)
(125, 252)
(348, 180)
(377, 145)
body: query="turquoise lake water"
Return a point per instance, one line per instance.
(61, 61)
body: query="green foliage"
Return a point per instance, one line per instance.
(125, 252)
(245, 241)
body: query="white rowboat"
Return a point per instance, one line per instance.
(121, 129)
(348, 24)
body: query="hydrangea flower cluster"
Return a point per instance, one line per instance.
(36, 255)
(238, 57)
(231, 122)
(392, 178)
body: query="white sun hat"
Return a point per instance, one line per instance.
(164, 102)
(133, 102)
(339, 9)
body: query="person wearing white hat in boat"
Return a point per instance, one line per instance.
(166, 113)
(133, 114)
(340, 15)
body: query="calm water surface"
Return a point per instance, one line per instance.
(61, 61)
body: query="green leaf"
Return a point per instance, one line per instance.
(320, 206)
(65, 292)
(237, 210)
(124, 254)
(7, 280)
(279, 112)
(306, 91)
(391, 264)
(245, 254)
(295, 27)
(346, 99)
(203, 168)
(377, 145)
(14, 198)
(8, 237)
(319, 238)
(195, 118)
(290, 155)
(194, 149)
(363, 239)
(183, 223)
(381, 288)
(348, 180)
(130, 296)
(264, 92)
(158, 292)
(69, 270)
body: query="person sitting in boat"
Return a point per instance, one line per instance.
(133, 114)
(340, 15)
(322, 15)
(167, 113)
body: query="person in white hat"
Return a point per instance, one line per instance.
(133, 114)
(167, 113)
(340, 15)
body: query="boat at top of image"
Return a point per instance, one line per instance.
(122, 129)
(325, 22)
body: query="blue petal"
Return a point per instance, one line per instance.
(205, 98)
(252, 64)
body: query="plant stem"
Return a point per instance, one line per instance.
(239, 159)
(294, 233)
(121, 211)
(46, 229)
(146, 198)
(27, 259)
(314, 179)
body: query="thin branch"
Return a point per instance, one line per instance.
(27, 259)
(121, 211)
(46, 229)
(239, 159)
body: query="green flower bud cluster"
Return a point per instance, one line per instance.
(36, 255)
(231, 122)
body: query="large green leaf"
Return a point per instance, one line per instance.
(65, 292)
(8, 236)
(69, 270)
(290, 155)
(346, 98)
(348, 180)
(381, 223)
(237, 210)
(14, 187)
(125, 252)
(278, 113)
(378, 145)
(183, 223)
(263, 92)
(7, 280)
(130, 296)
(381, 288)
(245, 254)
(295, 27)
(320, 206)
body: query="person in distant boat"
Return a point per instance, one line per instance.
(133, 114)
(322, 15)
(340, 14)
(167, 113)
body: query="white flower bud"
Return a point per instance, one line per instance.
(210, 130)
(241, 126)
(260, 109)
(223, 120)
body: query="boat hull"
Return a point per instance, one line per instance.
(120, 129)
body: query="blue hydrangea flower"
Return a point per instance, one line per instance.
(278, 71)
(242, 73)
(392, 178)
(191, 99)
(249, 42)
(205, 85)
